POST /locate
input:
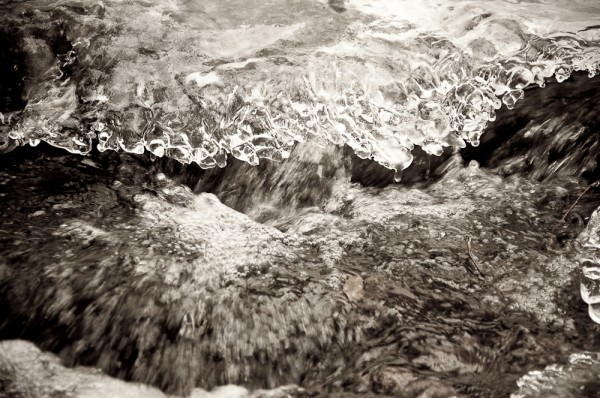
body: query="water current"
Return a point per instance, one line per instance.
(299, 198)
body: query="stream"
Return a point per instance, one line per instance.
(299, 198)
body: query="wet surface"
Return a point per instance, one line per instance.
(461, 286)
(311, 265)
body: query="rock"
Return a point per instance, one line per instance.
(354, 288)
(393, 381)
(165, 254)
(27, 372)
(229, 391)
(133, 273)
(429, 388)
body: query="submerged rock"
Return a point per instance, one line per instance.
(27, 372)
(110, 265)
(155, 284)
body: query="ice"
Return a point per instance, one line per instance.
(198, 81)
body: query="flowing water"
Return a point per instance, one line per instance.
(299, 198)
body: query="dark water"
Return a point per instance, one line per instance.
(320, 274)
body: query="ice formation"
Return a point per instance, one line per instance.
(197, 82)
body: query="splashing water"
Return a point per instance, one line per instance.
(458, 285)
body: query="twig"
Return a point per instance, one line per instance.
(592, 185)
(468, 241)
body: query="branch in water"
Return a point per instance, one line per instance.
(592, 185)
(468, 241)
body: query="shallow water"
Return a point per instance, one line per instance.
(375, 290)
(237, 212)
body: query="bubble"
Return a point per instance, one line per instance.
(397, 176)
(510, 98)
(562, 74)
(473, 164)
(594, 312)
(590, 282)
(433, 148)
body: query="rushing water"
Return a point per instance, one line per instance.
(299, 198)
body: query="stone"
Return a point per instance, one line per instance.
(153, 283)
(353, 287)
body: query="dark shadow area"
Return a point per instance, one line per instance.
(552, 132)
(425, 168)
(337, 5)
(12, 71)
